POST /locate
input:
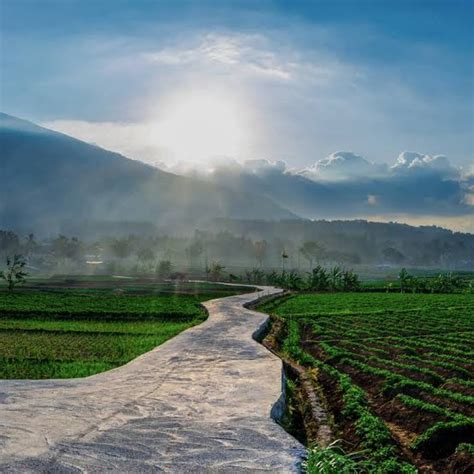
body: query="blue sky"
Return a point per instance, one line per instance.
(281, 80)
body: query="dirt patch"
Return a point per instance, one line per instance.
(412, 420)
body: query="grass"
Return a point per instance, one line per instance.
(50, 332)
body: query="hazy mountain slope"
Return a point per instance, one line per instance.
(49, 177)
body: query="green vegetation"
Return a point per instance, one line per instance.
(396, 368)
(318, 279)
(15, 273)
(56, 332)
(333, 459)
(441, 283)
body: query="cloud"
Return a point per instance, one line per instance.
(343, 165)
(250, 53)
(417, 188)
(263, 167)
(412, 162)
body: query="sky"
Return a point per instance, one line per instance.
(166, 81)
(374, 97)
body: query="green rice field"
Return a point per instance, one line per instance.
(52, 330)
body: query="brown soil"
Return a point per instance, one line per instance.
(457, 463)
(396, 412)
(455, 387)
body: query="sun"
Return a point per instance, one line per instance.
(196, 126)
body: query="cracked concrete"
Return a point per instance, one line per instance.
(200, 402)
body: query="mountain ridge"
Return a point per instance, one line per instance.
(50, 177)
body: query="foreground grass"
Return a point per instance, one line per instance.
(61, 333)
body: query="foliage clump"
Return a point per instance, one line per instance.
(442, 283)
(15, 273)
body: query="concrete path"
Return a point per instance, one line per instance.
(200, 402)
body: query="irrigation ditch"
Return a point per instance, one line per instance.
(301, 409)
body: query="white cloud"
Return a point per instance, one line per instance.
(372, 199)
(343, 165)
(249, 54)
(417, 162)
(349, 166)
(263, 166)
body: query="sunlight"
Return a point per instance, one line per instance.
(198, 126)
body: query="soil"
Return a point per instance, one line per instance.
(455, 387)
(404, 423)
(458, 463)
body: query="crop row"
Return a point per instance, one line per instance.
(364, 303)
(384, 356)
(81, 346)
(421, 405)
(375, 438)
(107, 326)
(396, 383)
(412, 325)
(64, 303)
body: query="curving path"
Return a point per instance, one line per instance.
(200, 402)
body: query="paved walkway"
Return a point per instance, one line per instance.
(200, 402)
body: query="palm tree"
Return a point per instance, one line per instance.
(311, 251)
(284, 256)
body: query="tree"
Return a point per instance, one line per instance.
(350, 281)
(260, 249)
(404, 278)
(121, 247)
(194, 250)
(9, 242)
(311, 251)
(30, 244)
(216, 270)
(393, 255)
(145, 254)
(318, 279)
(335, 278)
(63, 247)
(284, 257)
(15, 273)
(164, 269)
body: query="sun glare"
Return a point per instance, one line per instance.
(199, 126)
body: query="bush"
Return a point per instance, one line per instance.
(319, 279)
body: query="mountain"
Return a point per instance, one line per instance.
(49, 178)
